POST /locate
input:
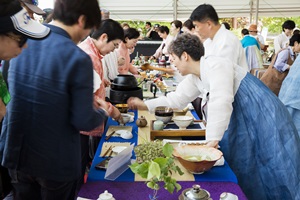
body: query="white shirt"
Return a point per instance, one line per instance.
(163, 48)
(281, 41)
(220, 80)
(226, 45)
(260, 38)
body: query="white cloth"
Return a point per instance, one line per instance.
(260, 38)
(281, 41)
(254, 57)
(110, 68)
(97, 81)
(163, 48)
(226, 45)
(220, 78)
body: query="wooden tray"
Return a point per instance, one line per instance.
(176, 132)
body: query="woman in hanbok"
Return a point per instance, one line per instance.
(290, 92)
(253, 128)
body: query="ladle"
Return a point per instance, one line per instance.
(147, 66)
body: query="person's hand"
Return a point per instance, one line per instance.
(121, 61)
(212, 143)
(135, 103)
(2, 110)
(106, 82)
(116, 115)
(100, 103)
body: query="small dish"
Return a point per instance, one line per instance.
(118, 149)
(125, 134)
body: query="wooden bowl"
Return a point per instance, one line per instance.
(197, 158)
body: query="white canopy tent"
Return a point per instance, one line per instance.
(168, 10)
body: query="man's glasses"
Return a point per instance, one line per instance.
(21, 39)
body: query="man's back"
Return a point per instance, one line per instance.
(52, 99)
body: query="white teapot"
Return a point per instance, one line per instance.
(106, 196)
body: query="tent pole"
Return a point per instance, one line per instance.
(251, 10)
(175, 8)
(256, 13)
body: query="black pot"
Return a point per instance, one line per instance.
(122, 87)
(124, 81)
(119, 96)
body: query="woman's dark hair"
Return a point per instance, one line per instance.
(288, 24)
(189, 24)
(112, 28)
(227, 26)
(177, 23)
(245, 31)
(188, 43)
(294, 38)
(69, 11)
(205, 12)
(164, 29)
(131, 33)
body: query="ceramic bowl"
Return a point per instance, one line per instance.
(125, 117)
(183, 121)
(163, 113)
(197, 158)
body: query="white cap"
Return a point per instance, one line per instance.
(22, 23)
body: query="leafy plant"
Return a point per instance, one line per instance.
(155, 163)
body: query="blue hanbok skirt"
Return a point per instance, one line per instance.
(290, 92)
(262, 145)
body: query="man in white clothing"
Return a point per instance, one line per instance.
(282, 40)
(219, 41)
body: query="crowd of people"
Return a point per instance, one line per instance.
(53, 95)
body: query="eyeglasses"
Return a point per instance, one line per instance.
(21, 39)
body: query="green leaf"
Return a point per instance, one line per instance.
(179, 171)
(170, 187)
(178, 186)
(161, 161)
(154, 170)
(134, 167)
(168, 150)
(150, 185)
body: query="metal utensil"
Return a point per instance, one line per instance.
(107, 137)
(106, 152)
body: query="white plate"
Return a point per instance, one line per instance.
(118, 149)
(125, 134)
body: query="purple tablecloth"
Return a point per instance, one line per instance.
(139, 190)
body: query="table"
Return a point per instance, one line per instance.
(217, 180)
(139, 190)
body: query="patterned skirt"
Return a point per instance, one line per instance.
(261, 144)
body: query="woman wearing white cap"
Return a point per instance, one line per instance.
(15, 27)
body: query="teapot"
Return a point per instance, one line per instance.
(106, 196)
(195, 193)
(141, 122)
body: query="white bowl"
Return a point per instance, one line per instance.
(126, 118)
(183, 121)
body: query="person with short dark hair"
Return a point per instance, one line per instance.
(188, 26)
(102, 41)
(13, 40)
(131, 36)
(248, 40)
(282, 40)
(51, 87)
(218, 40)
(175, 28)
(152, 32)
(163, 32)
(252, 126)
